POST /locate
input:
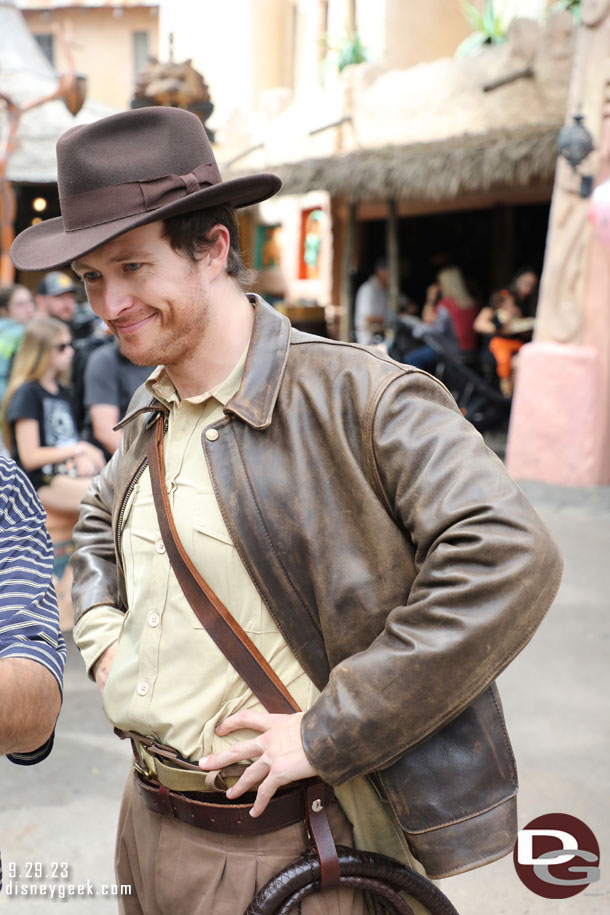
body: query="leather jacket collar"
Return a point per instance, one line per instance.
(263, 372)
(265, 366)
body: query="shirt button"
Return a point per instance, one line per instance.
(142, 688)
(160, 546)
(154, 619)
(211, 434)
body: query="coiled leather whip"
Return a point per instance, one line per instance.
(382, 878)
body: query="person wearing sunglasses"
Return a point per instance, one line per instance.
(39, 428)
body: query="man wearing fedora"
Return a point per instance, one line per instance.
(339, 506)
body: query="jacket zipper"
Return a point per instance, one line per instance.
(119, 524)
(128, 491)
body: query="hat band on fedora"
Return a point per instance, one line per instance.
(104, 204)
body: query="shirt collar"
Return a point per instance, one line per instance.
(163, 389)
(263, 371)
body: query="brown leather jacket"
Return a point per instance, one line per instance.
(401, 563)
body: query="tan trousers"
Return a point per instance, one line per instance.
(178, 869)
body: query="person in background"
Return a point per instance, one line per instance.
(39, 427)
(404, 341)
(56, 296)
(494, 323)
(32, 650)
(437, 323)
(450, 291)
(40, 433)
(110, 382)
(372, 306)
(16, 303)
(524, 289)
(16, 309)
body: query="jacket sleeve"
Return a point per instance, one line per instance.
(98, 612)
(94, 560)
(487, 570)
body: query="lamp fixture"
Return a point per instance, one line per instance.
(575, 143)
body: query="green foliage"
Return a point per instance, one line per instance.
(349, 50)
(488, 25)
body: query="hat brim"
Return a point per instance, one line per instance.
(48, 245)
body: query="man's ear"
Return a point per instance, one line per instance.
(218, 252)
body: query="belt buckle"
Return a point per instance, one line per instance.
(143, 770)
(171, 755)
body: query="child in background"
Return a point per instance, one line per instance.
(497, 323)
(39, 428)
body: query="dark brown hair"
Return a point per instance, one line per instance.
(6, 294)
(190, 234)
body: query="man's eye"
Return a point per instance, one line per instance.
(131, 268)
(90, 276)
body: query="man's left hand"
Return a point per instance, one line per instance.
(278, 752)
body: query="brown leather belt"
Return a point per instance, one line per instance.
(218, 814)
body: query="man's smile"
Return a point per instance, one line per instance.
(132, 324)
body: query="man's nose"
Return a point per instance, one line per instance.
(114, 299)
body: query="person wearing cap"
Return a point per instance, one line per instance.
(55, 296)
(338, 504)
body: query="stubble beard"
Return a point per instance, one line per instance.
(175, 340)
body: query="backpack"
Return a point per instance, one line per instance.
(83, 348)
(124, 390)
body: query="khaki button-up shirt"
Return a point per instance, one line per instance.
(168, 678)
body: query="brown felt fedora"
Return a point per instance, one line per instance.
(125, 171)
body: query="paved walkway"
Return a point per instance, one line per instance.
(555, 696)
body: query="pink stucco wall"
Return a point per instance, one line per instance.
(556, 430)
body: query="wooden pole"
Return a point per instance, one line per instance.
(347, 320)
(393, 255)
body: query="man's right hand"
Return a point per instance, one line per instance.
(101, 668)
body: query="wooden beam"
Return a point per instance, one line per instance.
(408, 207)
(393, 254)
(347, 321)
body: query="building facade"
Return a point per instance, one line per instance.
(112, 41)
(387, 143)
(560, 424)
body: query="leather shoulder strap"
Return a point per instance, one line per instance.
(228, 635)
(237, 647)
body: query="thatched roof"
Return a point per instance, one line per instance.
(439, 170)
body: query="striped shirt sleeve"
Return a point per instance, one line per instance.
(29, 622)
